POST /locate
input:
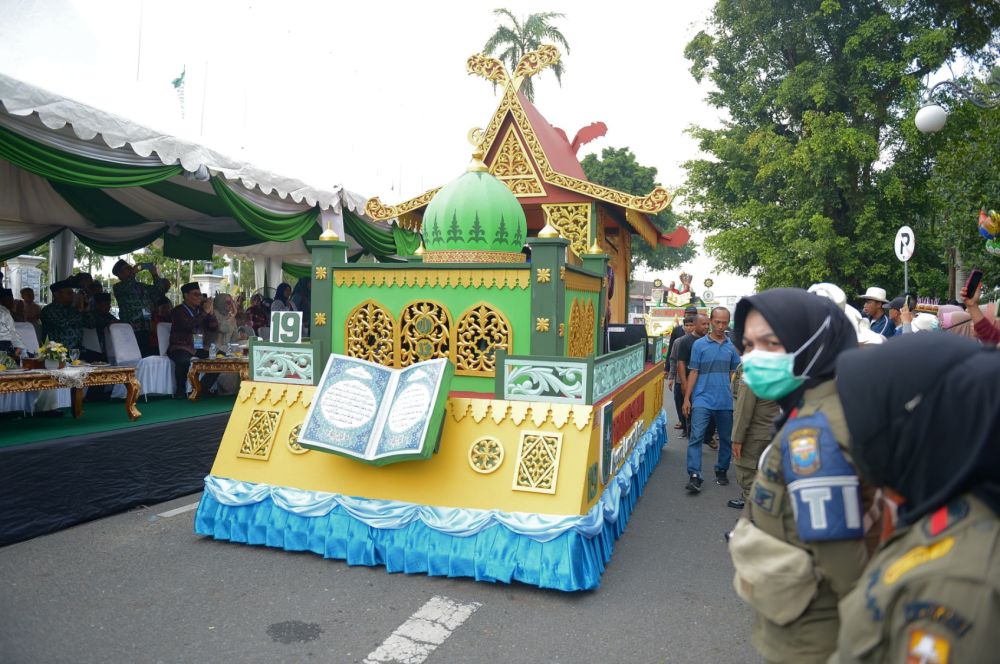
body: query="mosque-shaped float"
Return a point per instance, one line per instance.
(458, 414)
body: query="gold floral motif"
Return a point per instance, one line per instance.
(542, 324)
(378, 211)
(502, 278)
(319, 319)
(562, 273)
(535, 61)
(370, 333)
(572, 220)
(489, 68)
(486, 455)
(465, 256)
(512, 167)
(480, 332)
(293, 441)
(562, 329)
(259, 438)
(538, 462)
(581, 328)
(424, 333)
(320, 273)
(544, 275)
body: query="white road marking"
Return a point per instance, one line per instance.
(423, 632)
(178, 510)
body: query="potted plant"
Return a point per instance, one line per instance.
(54, 354)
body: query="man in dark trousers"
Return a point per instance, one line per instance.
(191, 321)
(683, 352)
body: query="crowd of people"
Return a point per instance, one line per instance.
(869, 469)
(197, 324)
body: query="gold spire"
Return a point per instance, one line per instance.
(548, 231)
(329, 234)
(595, 248)
(420, 250)
(477, 165)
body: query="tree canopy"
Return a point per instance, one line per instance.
(818, 162)
(519, 36)
(617, 168)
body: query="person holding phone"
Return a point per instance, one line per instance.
(136, 302)
(986, 331)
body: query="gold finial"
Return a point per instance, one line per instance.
(475, 137)
(329, 234)
(595, 248)
(420, 250)
(548, 231)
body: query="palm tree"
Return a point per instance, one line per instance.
(520, 37)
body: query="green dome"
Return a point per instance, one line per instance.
(475, 218)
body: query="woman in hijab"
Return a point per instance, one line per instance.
(795, 554)
(930, 437)
(225, 313)
(282, 299)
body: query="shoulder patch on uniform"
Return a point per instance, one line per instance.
(939, 614)
(917, 556)
(803, 444)
(922, 647)
(763, 498)
(946, 517)
(870, 602)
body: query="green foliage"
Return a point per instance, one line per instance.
(618, 169)
(818, 162)
(517, 37)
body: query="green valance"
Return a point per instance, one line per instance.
(117, 248)
(296, 271)
(407, 242)
(378, 242)
(265, 225)
(97, 207)
(60, 166)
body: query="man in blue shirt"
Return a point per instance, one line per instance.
(709, 397)
(874, 299)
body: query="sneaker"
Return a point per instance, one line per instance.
(737, 503)
(721, 479)
(694, 484)
(714, 442)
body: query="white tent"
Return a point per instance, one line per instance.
(68, 167)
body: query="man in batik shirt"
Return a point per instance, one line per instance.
(136, 300)
(62, 321)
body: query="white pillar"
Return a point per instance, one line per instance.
(259, 272)
(274, 271)
(62, 258)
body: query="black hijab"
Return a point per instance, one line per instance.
(795, 315)
(924, 415)
(283, 293)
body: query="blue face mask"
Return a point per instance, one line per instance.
(771, 375)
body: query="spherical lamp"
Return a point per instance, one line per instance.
(931, 118)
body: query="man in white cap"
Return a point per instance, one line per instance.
(874, 299)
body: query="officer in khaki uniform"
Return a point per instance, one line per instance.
(932, 593)
(753, 423)
(800, 544)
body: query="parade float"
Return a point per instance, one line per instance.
(666, 305)
(457, 414)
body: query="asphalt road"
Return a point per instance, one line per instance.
(139, 587)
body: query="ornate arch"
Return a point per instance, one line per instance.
(370, 332)
(424, 333)
(481, 329)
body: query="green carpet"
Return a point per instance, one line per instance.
(108, 416)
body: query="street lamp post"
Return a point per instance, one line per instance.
(932, 116)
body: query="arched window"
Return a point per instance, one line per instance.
(370, 332)
(424, 333)
(480, 332)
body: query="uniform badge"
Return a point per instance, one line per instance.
(926, 648)
(763, 498)
(804, 447)
(946, 517)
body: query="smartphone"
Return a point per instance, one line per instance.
(975, 278)
(911, 302)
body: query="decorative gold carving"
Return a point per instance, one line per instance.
(537, 462)
(572, 220)
(320, 273)
(535, 61)
(438, 278)
(581, 328)
(319, 319)
(562, 273)
(542, 324)
(544, 275)
(30, 382)
(582, 282)
(537, 412)
(562, 329)
(259, 438)
(287, 394)
(240, 365)
(424, 333)
(463, 256)
(512, 167)
(489, 68)
(293, 441)
(370, 333)
(480, 331)
(486, 455)
(378, 211)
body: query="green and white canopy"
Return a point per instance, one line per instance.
(119, 186)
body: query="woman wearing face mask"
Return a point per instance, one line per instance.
(931, 439)
(799, 546)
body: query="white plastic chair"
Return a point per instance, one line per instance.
(163, 337)
(45, 399)
(28, 336)
(155, 373)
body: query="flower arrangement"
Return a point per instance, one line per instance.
(53, 350)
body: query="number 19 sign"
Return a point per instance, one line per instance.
(286, 327)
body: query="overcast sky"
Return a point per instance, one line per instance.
(370, 95)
